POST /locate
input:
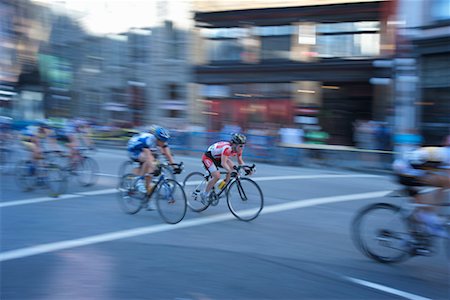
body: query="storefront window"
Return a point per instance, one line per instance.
(225, 49)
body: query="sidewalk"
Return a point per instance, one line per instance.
(362, 161)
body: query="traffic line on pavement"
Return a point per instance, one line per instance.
(107, 237)
(36, 200)
(113, 190)
(385, 289)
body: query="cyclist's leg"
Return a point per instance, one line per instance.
(147, 159)
(213, 170)
(428, 214)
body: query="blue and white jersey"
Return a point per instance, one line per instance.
(141, 141)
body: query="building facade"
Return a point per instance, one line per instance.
(429, 33)
(308, 65)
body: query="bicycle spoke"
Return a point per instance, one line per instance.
(130, 200)
(87, 171)
(193, 185)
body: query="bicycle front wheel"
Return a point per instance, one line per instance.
(87, 171)
(171, 201)
(55, 178)
(245, 199)
(380, 232)
(193, 185)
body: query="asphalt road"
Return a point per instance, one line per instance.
(82, 246)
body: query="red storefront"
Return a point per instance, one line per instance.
(248, 113)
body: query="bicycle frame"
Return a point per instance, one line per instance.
(208, 176)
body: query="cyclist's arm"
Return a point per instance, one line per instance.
(224, 162)
(167, 153)
(240, 160)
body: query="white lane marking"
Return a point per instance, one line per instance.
(386, 289)
(36, 200)
(98, 192)
(111, 191)
(95, 239)
(290, 177)
(47, 199)
(106, 175)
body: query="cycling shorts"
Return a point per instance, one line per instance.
(211, 164)
(134, 154)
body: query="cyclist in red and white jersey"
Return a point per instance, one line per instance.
(219, 155)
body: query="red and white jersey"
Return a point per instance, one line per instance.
(222, 148)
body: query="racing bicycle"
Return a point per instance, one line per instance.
(390, 233)
(167, 193)
(244, 196)
(44, 174)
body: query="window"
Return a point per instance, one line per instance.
(173, 91)
(357, 39)
(174, 113)
(224, 49)
(275, 47)
(138, 50)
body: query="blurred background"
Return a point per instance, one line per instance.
(362, 74)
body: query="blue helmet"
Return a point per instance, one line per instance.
(162, 134)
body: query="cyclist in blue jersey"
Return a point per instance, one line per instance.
(142, 148)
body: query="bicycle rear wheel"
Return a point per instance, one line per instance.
(193, 185)
(380, 232)
(86, 171)
(245, 199)
(171, 201)
(130, 200)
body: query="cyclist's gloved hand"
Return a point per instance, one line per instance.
(248, 171)
(177, 169)
(234, 174)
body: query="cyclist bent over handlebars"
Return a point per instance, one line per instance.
(219, 155)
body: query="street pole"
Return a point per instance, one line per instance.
(406, 133)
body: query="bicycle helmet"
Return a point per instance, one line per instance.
(162, 134)
(238, 138)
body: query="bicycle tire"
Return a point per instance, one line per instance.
(55, 179)
(129, 202)
(26, 177)
(245, 199)
(382, 232)
(171, 201)
(86, 171)
(124, 168)
(193, 184)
